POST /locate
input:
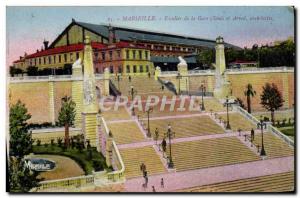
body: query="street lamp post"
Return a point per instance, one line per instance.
(203, 89)
(262, 125)
(227, 103)
(170, 134)
(179, 77)
(148, 113)
(132, 92)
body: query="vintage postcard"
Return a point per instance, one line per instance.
(150, 99)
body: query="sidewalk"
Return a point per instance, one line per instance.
(199, 177)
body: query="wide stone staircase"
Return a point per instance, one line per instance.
(133, 157)
(210, 153)
(281, 182)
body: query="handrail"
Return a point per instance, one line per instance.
(254, 69)
(270, 128)
(120, 172)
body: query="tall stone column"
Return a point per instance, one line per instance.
(90, 107)
(183, 78)
(77, 91)
(51, 101)
(106, 81)
(222, 85)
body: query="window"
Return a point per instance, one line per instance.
(97, 71)
(127, 69)
(65, 58)
(133, 54)
(103, 55)
(147, 68)
(59, 58)
(146, 54)
(54, 59)
(120, 69)
(140, 54)
(127, 54)
(134, 68)
(77, 55)
(119, 54)
(96, 55)
(49, 59)
(71, 57)
(40, 61)
(141, 69)
(111, 69)
(110, 55)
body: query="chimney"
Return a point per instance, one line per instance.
(21, 57)
(46, 44)
(37, 50)
(111, 35)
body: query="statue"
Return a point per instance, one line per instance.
(182, 61)
(77, 63)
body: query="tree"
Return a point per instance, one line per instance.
(271, 99)
(32, 71)
(250, 92)
(21, 178)
(206, 57)
(66, 116)
(20, 142)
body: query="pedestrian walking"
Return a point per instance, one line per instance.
(129, 78)
(149, 74)
(252, 135)
(145, 174)
(156, 135)
(162, 184)
(153, 189)
(162, 87)
(164, 146)
(146, 181)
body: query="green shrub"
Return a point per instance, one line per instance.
(38, 142)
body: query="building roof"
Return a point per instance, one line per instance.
(171, 59)
(130, 34)
(64, 49)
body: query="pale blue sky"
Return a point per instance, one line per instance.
(30, 25)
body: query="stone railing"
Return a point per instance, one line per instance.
(117, 161)
(201, 72)
(45, 135)
(168, 73)
(261, 69)
(61, 184)
(270, 128)
(281, 135)
(48, 78)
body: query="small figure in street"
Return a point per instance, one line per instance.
(162, 87)
(143, 167)
(252, 135)
(145, 174)
(149, 74)
(146, 181)
(164, 146)
(153, 189)
(129, 78)
(118, 78)
(162, 184)
(156, 135)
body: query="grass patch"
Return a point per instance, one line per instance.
(289, 131)
(88, 160)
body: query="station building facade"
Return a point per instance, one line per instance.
(123, 50)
